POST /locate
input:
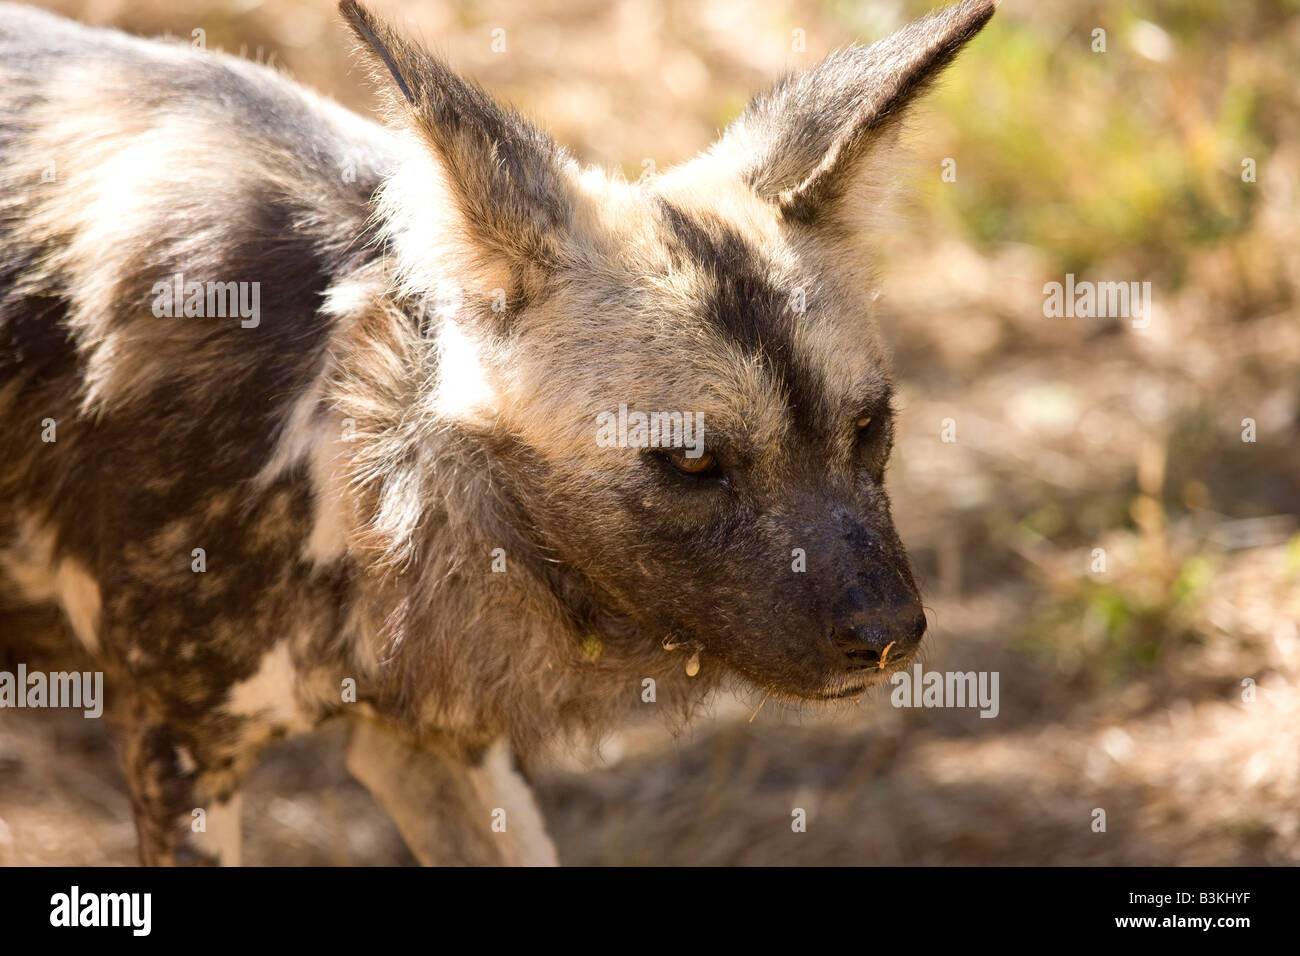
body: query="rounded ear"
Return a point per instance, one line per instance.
(803, 145)
(511, 182)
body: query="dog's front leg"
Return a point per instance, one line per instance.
(452, 807)
(170, 796)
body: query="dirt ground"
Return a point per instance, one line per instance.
(1162, 690)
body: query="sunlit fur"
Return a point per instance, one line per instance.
(447, 303)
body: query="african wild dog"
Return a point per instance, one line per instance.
(389, 476)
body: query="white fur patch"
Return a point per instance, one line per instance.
(500, 785)
(299, 434)
(223, 838)
(351, 296)
(185, 760)
(79, 594)
(30, 562)
(314, 435)
(270, 695)
(463, 386)
(27, 561)
(329, 531)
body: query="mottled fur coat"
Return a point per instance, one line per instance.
(298, 416)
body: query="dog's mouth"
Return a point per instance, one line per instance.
(843, 685)
(848, 693)
(857, 682)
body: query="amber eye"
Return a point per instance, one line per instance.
(691, 466)
(863, 422)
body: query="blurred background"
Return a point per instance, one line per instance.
(1120, 689)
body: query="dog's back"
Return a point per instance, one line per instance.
(124, 164)
(138, 439)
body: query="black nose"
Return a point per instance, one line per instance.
(867, 636)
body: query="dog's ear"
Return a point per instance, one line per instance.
(804, 145)
(509, 178)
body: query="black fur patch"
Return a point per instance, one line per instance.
(746, 307)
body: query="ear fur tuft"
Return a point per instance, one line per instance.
(805, 140)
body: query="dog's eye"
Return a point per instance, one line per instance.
(872, 438)
(702, 465)
(867, 428)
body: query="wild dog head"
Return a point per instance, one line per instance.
(729, 293)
